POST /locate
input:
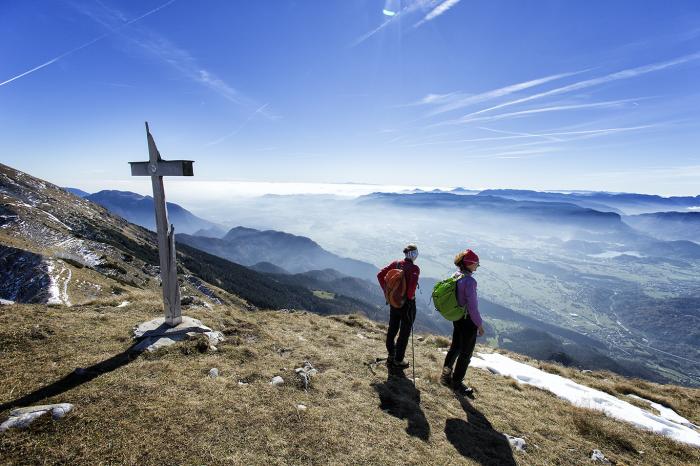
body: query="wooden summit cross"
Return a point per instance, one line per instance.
(157, 168)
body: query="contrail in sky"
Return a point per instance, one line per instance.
(237, 130)
(86, 44)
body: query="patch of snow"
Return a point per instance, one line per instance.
(665, 412)
(123, 304)
(53, 291)
(52, 217)
(586, 397)
(58, 286)
(6, 302)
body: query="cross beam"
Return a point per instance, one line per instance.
(157, 168)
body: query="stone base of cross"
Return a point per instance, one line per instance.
(157, 168)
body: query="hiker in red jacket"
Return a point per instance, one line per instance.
(465, 329)
(401, 318)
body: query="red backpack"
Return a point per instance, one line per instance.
(395, 287)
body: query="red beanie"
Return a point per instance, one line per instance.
(470, 257)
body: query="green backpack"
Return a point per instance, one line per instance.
(445, 298)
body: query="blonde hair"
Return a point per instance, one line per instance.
(459, 258)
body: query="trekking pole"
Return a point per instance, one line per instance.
(413, 351)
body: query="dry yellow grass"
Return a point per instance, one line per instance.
(162, 408)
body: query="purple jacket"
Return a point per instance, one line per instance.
(466, 294)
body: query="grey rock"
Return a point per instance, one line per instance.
(21, 418)
(598, 457)
(213, 372)
(305, 373)
(158, 327)
(155, 334)
(277, 380)
(516, 443)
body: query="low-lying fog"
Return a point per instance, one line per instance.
(575, 268)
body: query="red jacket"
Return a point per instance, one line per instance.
(411, 272)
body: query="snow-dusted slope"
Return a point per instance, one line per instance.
(667, 423)
(54, 244)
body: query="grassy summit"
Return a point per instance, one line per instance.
(162, 408)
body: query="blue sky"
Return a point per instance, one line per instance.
(601, 95)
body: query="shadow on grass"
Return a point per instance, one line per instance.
(400, 398)
(476, 438)
(75, 379)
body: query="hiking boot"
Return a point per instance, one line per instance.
(446, 377)
(463, 390)
(400, 364)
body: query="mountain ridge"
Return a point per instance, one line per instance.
(139, 209)
(293, 253)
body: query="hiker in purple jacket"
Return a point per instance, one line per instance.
(465, 329)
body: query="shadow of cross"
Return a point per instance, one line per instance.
(157, 168)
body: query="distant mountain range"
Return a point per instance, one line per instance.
(628, 203)
(292, 253)
(558, 214)
(668, 225)
(139, 209)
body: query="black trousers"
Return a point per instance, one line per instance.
(461, 348)
(400, 321)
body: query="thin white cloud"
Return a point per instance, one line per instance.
(238, 129)
(180, 59)
(619, 75)
(87, 44)
(556, 134)
(514, 133)
(455, 101)
(554, 108)
(512, 154)
(437, 11)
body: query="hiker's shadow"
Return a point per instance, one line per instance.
(400, 398)
(476, 438)
(76, 378)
